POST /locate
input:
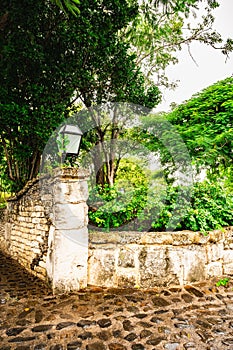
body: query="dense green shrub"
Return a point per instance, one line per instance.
(211, 208)
(110, 208)
(206, 206)
(132, 203)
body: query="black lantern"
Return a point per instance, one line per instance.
(70, 143)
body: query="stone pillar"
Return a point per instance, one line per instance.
(68, 237)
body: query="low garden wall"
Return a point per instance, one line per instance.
(40, 226)
(150, 259)
(25, 230)
(45, 229)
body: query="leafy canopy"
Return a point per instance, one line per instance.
(48, 61)
(205, 122)
(163, 27)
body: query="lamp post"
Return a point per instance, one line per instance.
(70, 143)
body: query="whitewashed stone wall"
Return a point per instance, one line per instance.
(133, 259)
(67, 255)
(45, 229)
(25, 229)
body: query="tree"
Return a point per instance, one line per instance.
(163, 27)
(48, 61)
(205, 123)
(31, 86)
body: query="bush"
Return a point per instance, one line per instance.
(203, 208)
(209, 208)
(212, 208)
(110, 208)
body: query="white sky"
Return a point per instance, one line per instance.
(211, 63)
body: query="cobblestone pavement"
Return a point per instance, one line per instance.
(197, 316)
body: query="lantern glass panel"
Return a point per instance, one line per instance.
(73, 142)
(71, 138)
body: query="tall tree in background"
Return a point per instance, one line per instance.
(205, 123)
(163, 27)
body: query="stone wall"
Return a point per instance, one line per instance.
(25, 229)
(45, 228)
(124, 259)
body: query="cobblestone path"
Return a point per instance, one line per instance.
(198, 316)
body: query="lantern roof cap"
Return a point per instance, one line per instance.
(70, 129)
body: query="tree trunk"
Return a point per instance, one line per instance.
(104, 166)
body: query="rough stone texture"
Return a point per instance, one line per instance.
(24, 230)
(45, 228)
(149, 259)
(198, 316)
